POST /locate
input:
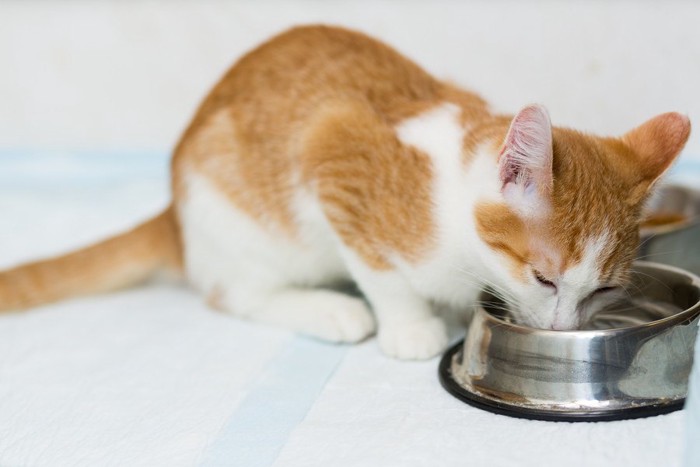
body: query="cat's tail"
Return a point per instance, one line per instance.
(115, 263)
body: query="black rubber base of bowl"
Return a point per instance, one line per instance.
(500, 408)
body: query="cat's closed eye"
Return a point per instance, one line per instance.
(602, 290)
(543, 280)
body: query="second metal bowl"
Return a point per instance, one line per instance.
(671, 232)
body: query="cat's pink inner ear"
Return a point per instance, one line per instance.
(657, 143)
(525, 163)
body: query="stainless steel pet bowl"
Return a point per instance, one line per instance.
(671, 232)
(633, 362)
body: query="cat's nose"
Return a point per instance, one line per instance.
(556, 326)
(565, 322)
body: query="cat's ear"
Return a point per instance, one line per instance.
(525, 162)
(656, 144)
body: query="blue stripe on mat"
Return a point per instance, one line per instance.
(50, 168)
(275, 405)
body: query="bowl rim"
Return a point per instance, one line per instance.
(688, 314)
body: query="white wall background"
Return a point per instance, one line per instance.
(128, 75)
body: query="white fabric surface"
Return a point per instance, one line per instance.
(150, 377)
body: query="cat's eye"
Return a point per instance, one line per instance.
(604, 289)
(543, 280)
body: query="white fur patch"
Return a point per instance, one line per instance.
(577, 283)
(454, 272)
(436, 132)
(586, 273)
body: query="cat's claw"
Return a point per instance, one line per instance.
(414, 340)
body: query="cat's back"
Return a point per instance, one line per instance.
(291, 72)
(246, 137)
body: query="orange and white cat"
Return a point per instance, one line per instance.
(325, 156)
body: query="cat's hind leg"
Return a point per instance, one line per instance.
(260, 275)
(324, 314)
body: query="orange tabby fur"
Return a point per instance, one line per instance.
(260, 134)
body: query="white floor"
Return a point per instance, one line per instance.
(150, 377)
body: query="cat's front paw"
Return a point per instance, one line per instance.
(414, 340)
(339, 318)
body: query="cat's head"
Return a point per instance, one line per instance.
(563, 230)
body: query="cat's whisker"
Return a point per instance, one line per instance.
(481, 281)
(640, 273)
(636, 292)
(662, 253)
(645, 241)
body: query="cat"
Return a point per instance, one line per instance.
(325, 156)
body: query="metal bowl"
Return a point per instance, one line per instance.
(671, 232)
(635, 362)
